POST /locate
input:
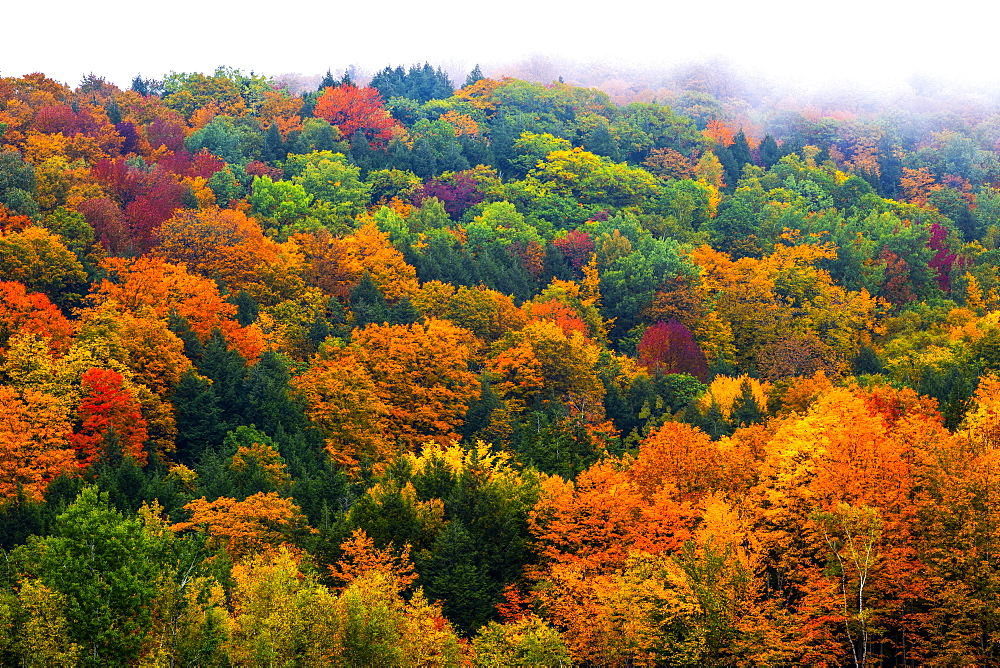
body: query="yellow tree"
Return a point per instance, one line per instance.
(34, 447)
(786, 295)
(341, 400)
(421, 374)
(541, 361)
(43, 639)
(152, 285)
(140, 341)
(279, 614)
(368, 250)
(261, 523)
(39, 259)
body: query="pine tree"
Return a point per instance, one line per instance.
(199, 420)
(368, 303)
(327, 82)
(451, 574)
(475, 75)
(770, 154)
(274, 145)
(740, 150)
(746, 411)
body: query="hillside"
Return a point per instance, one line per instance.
(685, 371)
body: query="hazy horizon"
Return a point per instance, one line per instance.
(853, 45)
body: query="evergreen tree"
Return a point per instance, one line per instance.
(714, 422)
(199, 419)
(247, 308)
(732, 170)
(451, 575)
(20, 517)
(424, 160)
(551, 440)
(740, 151)
(403, 313)
(475, 75)
(113, 111)
(193, 347)
(364, 156)
(769, 152)
(368, 304)
(267, 402)
(746, 411)
(119, 476)
(226, 368)
(274, 145)
(140, 85)
(327, 82)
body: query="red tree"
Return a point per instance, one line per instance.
(670, 348)
(577, 247)
(108, 406)
(943, 258)
(147, 198)
(352, 109)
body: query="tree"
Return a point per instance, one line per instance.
(420, 83)
(670, 348)
(17, 183)
(260, 524)
(421, 374)
(33, 445)
(108, 411)
(541, 363)
(106, 567)
(451, 575)
(145, 346)
(336, 186)
(167, 288)
(439, 502)
(44, 637)
(283, 202)
(39, 259)
(352, 109)
(200, 421)
(853, 534)
(342, 401)
(526, 642)
(769, 152)
(593, 179)
(368, 250)
(280, 614)
(360, 556)
(31, 313)
(475, 76)
(222, 244)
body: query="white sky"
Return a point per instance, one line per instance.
(818, 43)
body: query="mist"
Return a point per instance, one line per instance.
(775, 46)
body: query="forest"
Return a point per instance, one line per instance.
(417, 372)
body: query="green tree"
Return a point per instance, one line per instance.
(17, 184)
(234, 140)
(284, 202)
(104, 565)
(337, 189)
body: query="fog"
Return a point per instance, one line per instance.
(884, 47)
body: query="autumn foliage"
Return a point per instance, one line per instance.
(109, 414)
(523, 374)
(355, 109)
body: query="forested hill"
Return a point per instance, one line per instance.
(505, 374)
